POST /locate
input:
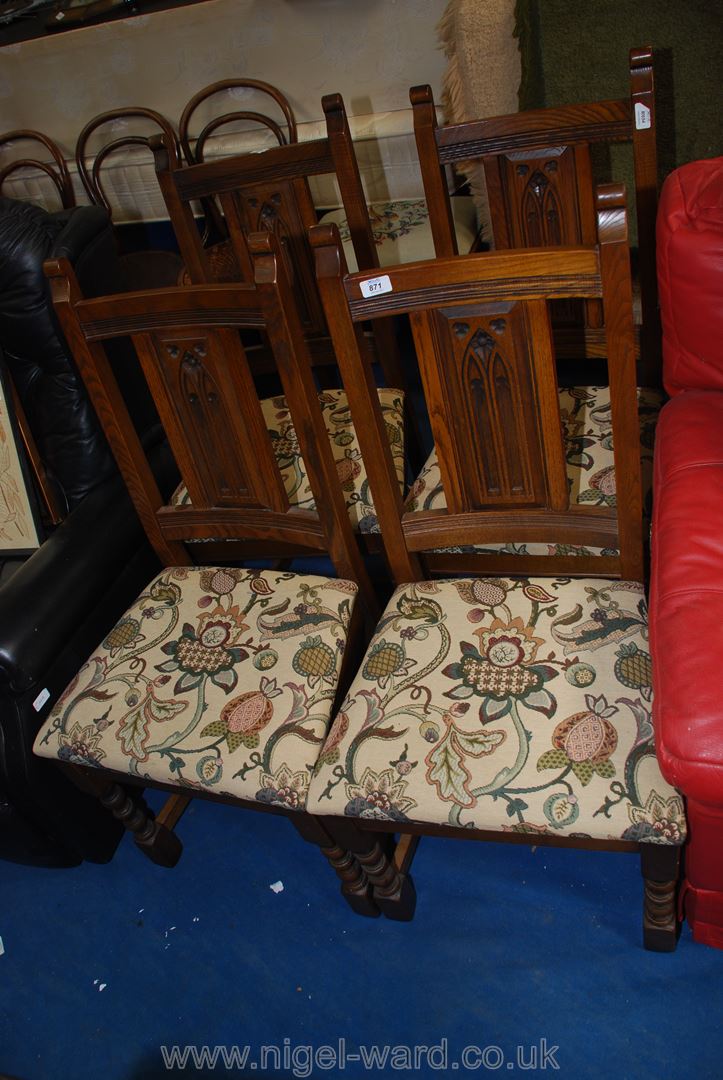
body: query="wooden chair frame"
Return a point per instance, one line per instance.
(188, 344)
(539, 183)
(447, 298)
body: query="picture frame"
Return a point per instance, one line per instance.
(20, 532)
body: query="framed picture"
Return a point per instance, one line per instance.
(19, 530)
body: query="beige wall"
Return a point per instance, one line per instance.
(371, 51)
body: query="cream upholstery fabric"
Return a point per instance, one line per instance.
(215, 679)
(401, 230)
(514, 706)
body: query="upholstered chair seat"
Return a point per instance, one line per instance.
(215, 679)
(345, 449)
(504, 705)
(586, 422)
(401, 229)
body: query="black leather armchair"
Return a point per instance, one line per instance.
(58, 604)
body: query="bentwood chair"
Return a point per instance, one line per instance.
(193, 148)
(56, 170)
(515, 705)
(218, 681)
(144, 269)
(539, 177)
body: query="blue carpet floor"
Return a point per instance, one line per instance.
(105, 965)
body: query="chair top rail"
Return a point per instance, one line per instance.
(312, 158)
(236, 305)
(567, 272)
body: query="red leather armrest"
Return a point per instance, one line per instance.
(690, 276)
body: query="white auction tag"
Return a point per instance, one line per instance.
(375, 286)
(642, 116)
(41, 699)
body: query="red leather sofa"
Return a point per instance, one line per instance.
(686, 608)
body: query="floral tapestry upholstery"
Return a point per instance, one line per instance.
(345, 447)
(585, 415)
(402, 232)
(512, 706)
(215, 679)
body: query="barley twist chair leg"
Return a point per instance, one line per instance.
(659, 865)
(392, 888)
(159, 843)
(355, 886)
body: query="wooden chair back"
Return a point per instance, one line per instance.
(189, 348)
(194, 154)
(481, 327)
(269, 191)
(90, 171)
(539, 178)
(56, 171)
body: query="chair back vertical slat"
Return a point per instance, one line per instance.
(434, 176)
(112, 411)
(618, 305)
(645, 160)
(358, 380)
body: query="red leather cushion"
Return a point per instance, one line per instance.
(686, 599)
(690, 276)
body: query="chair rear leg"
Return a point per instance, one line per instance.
(392, 887)
(355, 886)
(659, 865)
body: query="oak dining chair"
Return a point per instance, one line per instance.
(513, 704)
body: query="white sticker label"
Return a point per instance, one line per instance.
(41, 699)
(375, 286)
(642, 116)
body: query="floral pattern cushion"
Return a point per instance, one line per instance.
(345, 447)
(401, 229)
(512, 706)
(586, 422)
(215, 678)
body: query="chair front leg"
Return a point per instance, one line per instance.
(392, 888)
(157, 842)
(355, 885)
(659, 865)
